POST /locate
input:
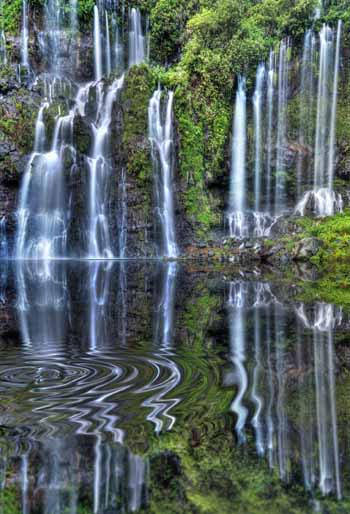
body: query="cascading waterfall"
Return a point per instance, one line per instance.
(273, 149)
(322, 198)
(137, 40)
(99, 167)
(24, 35)
(160, 128)
(42, 219)
(236, 210)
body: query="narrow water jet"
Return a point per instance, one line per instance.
(237, 198)
(160, 126)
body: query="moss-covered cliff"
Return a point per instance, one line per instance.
(197, 48)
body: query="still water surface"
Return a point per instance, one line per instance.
(160, 387)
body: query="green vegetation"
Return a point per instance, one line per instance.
(334, 232)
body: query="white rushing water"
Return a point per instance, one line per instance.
(160, 126)
(257, 107)
(137, 40)
(99, 228)
(237, 204)
(97, 45)
(321, 199)
(3, 52)
(270, 112)
(24, 35)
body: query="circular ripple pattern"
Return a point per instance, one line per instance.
(96, 390)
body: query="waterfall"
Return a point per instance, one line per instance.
(257, 106)
(270, 112)
(74, 16)
(42, 217)
(332, 136)
(99, 168)
(3, 53)
(237, 198)
(137, 41)
(322, 198)
(306, 104)
(118, 52)
(161, 139)
(108, 46)
(283, 86)
(24, 35)
(52, 35)
(97, 45)
(323, 105)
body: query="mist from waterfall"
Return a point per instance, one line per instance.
(160, 126)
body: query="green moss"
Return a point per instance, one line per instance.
(19, 125)
(138, 89)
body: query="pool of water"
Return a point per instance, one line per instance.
(168, 387)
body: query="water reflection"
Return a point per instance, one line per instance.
(111, 356)
(277, 371)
